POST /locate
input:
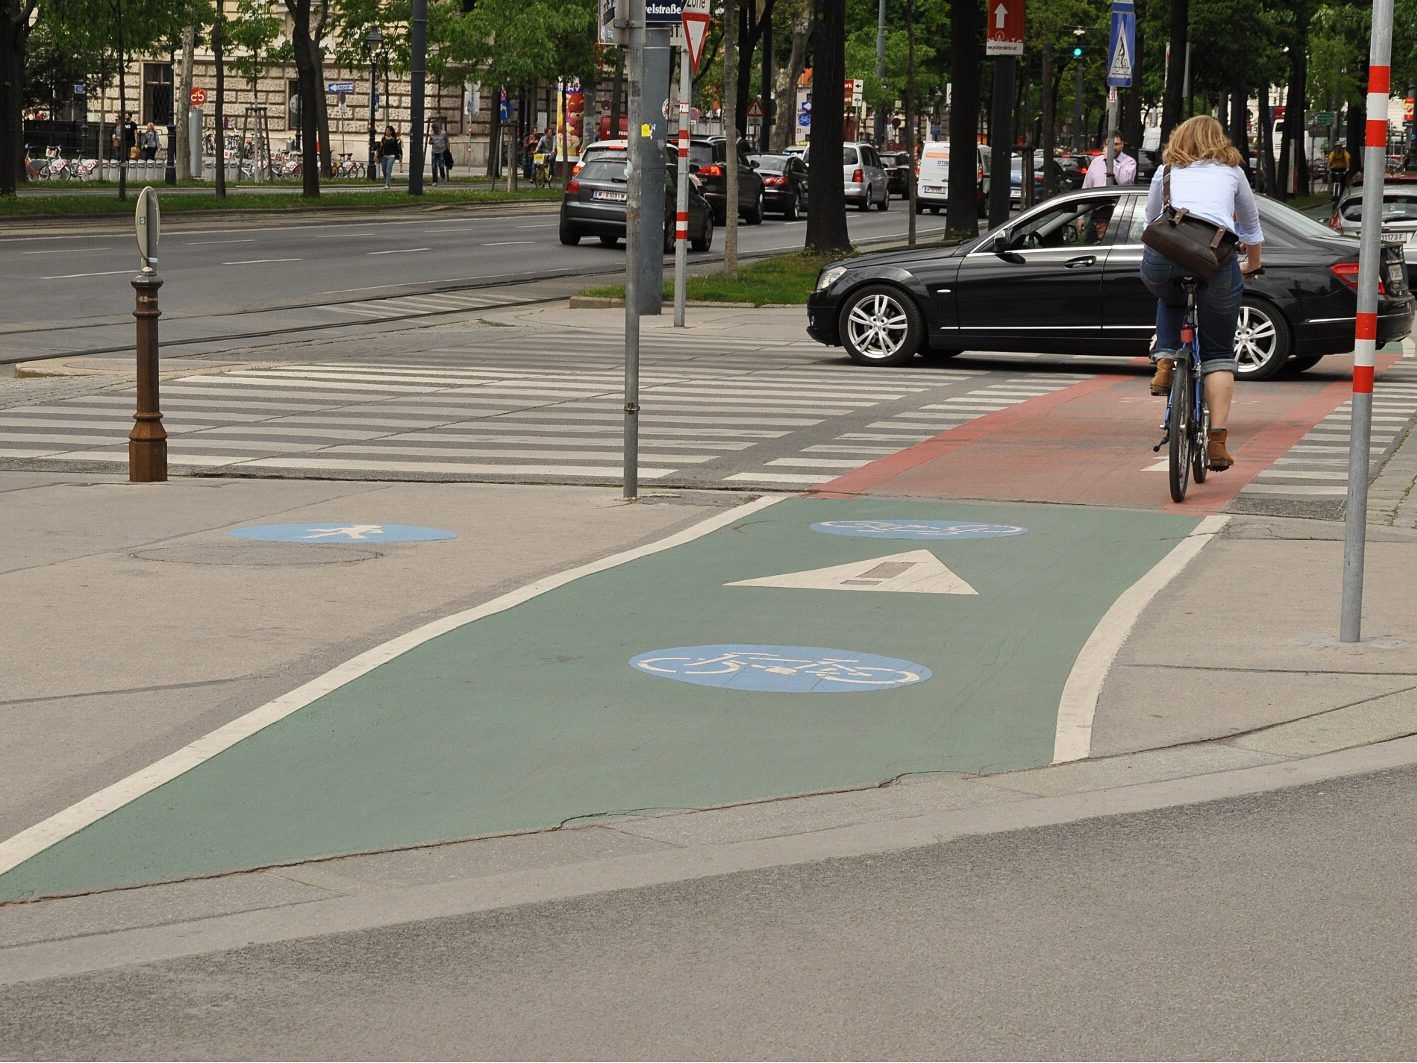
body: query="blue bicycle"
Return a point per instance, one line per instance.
(1187, 424)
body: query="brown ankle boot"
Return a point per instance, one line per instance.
(1161, 382)
(1216, 456)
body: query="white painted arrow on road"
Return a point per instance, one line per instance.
(915, 572)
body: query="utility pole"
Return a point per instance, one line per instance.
(910, 118)
(630, 26)
(881, 72)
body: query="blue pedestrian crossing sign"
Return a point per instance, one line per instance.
(1122, 44)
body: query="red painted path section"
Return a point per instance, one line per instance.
(1091, 444)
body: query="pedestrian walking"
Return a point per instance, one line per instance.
(529, 152)
(148, 141)
(1208, 183)
(1124, 167)
(390, 151)
(438, 144)
(1338, 163)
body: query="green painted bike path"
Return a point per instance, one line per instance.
(531, 717)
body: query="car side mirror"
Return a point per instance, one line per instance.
(1000, 244)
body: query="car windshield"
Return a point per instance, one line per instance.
(1400, 207)
(700, 154)
(771, 163)
(611, 171)
(1274, 214)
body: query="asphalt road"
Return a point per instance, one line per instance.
(73, 278)
(1274, 926)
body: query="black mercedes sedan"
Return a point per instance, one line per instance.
(784, 183)
(1064, 278)
(594, 205)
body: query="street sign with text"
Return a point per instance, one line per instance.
(334, 88)
(1004, 22)
(1121, 44)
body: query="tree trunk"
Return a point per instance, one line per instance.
(1238, 124)
(1266, 141)
(218, 106)
(1131, 126)
(784, 131)
(306, 68)
(617, 94)
(730, 129)
(766, 97)
(1046, 136)
(826, 220)
(966, 47)
(181, 105)
(1175, 68)
(1291, 147)
(14, 32)
(910, 124)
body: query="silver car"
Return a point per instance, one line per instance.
(1399, 220)
(865, 177)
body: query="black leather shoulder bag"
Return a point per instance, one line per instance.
(1200, 246)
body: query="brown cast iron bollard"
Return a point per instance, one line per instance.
(147, 442)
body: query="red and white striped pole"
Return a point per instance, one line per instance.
(1365, 341)
(681, 218)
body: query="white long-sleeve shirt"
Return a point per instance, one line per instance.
(1124, 171)
(1219, 194)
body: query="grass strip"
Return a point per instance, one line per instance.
(782, 280)
(88, 205)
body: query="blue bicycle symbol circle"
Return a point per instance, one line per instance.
(781, 669)
(918, 529)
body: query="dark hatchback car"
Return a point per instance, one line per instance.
(1064, 278)
(784, 184)
(708, 159)
(594, 205)
(899, 172)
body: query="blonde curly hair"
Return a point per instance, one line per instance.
(1200, 139)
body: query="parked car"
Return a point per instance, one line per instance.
(708, 161)
(784, 183)
(594, 205)
(1064, 277)
(933, 191)
(1399, 221)
(900, 171)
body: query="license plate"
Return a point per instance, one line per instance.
(613, 197)
(932, 188)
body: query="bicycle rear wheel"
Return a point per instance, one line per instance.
(1178, 465)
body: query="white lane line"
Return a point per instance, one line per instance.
(19, 848)
(1072, 739)
(509, 243)
(70, 251)
(400, 251)
(770, 478)
(382, 468)
(104, 273)
(258, 261)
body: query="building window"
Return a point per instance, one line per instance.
(157, 93)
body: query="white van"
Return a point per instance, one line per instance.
(932, 175)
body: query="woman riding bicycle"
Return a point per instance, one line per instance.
(1207, 181)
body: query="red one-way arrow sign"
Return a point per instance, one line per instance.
(696, 23)
(1005, 28)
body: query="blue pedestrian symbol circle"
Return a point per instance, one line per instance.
(781, 669)
(918, 529)
(338, 531)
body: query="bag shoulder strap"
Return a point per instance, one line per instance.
(1166, 187)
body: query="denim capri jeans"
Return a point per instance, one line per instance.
(1217, 310)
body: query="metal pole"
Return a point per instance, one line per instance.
(147, 442)
(910, 120)
(657, 76)
(1001, 130)
(681, 206)
(1366, 328)
(881, 72)
(634, 246)
(1078, 142)
(1111, 131)
(373, 173)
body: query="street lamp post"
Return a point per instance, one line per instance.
(372, 40)
(1078, 142)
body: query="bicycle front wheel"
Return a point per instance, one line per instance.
(1179, 431)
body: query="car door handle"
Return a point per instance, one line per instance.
(1085, 260)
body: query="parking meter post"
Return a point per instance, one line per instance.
(1366, 327)
(634, 237)
(654, 116)
(681, 206)
(147, 442)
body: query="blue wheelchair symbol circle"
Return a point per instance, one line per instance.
(336, 531)
(781, 669)
(918, 529)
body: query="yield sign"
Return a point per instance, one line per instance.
(915, 571)
(696, 23)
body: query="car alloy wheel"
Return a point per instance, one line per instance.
(1261, 341)
(882, 326)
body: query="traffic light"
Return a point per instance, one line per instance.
(1077, 52)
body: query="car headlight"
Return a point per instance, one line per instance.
(830, 277)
